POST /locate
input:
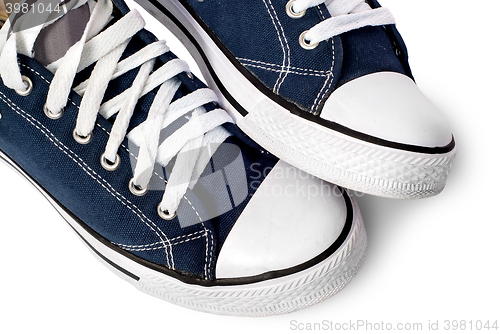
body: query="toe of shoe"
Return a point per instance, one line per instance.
(292, 219)
(388, 106)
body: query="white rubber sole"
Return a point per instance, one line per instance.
(333, 156)
(270, 297)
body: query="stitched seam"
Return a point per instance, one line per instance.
(276, 65)
(208, 257)
(86, 169)
(287, 47)
(211, 256)
(158, 243)
(139, 249)
(290, 72)
(325, 92)
(124, 147)
(206, 254)
(47, 133)
(321, 93)
(329, 79)
(281, 42)
(158, 175)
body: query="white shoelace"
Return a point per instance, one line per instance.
(105, 49)
(346, 15)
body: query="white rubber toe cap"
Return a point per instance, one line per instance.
(292, 218)
(388, 106)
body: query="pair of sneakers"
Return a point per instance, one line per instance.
(239, 212)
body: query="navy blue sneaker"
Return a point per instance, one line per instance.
(323, 84)
(135, 153)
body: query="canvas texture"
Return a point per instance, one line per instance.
(72, 174)
(265, 40)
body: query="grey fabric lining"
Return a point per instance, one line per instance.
(54, 40)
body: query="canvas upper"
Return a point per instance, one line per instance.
(324, 85)
(100, 200)
(265, 40)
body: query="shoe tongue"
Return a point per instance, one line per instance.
(55, 39)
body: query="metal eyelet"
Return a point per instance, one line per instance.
(135, 190)
(305, 44)
(190, 75)
(165, 215)
(290, 12)
(51, 114)
(29, 87)
(108, 165)
(80, 139)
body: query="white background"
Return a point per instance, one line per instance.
(432, 259)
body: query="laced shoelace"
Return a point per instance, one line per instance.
(346, 15)
(104, 48)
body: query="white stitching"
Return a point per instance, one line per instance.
(86, 169)
(206, 254)
(208, 258)
(158, 243)
(158, 175)
(276, 65)
(290, 72)
(124, 147)
(143, 249)
(32, 70)
(211, 251)
(287, 47)
(323, 92)
(47, 133)
(282, 46)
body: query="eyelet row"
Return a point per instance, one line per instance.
(304, 43)
(105, 163)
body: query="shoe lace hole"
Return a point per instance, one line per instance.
(52, 115)
(109, 165)
(293, 14)
(83, 140)
(29, 87)
(136, 190)
(165, 214)
(305, 43)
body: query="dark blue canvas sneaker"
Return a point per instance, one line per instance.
(134, 152)
(323, 84)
